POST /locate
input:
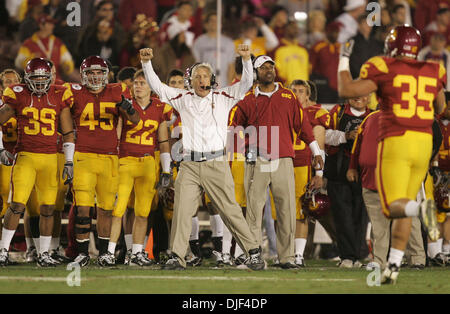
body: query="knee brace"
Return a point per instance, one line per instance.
(82, 224)
(17, 211)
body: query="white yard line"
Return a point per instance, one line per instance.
(243, 278)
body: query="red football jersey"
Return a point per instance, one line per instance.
(140, 140)
(283, 111)
(317, 116)
(9, 129)
(96, 117)
(444, 158)
(37, 117)
(407, 89)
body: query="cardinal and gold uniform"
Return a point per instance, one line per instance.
(407, 89)
(37, 121)
(443, 156)
(96, 164)
(137, 162)
(9, 130)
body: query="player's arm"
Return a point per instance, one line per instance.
(6, 113)
(347, 87)
(165, 93)
(66, 124)
(164, 147)
(440, 103)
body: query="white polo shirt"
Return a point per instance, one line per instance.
(204, 119)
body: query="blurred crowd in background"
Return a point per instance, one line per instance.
(302, 36)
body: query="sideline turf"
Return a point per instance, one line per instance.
(318, 277)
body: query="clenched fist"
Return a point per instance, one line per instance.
(146, 54)
(244, 52)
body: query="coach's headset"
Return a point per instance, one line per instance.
(190, 70)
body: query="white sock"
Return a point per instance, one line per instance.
(395, 257)
(128, 241)
(412, 209)
(195, 229)
(7, 236)
(238, 251)
(226, 240)
(29, 242)
(44, 243)
(216, 225)
(446, 248)
(112, 247)
(300, 244)
(54, 243)
(136, 248)
(434, 248)
(37, 244)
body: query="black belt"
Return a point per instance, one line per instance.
(203, 156)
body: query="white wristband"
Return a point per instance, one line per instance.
(69, 150)
(435, 163)
(314, 146)
(344, 64)
(165, 162)
(1, 140)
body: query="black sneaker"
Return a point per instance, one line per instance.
(172, 264)
(390, 274)
(140, 259)
(194, 261)
(44, 260)
(240, 260)
(300, 261)
(289, 265)
(255, 261)
(439, 260)
(106, 260)
(81, 260)
(4, 257)
(58, 256)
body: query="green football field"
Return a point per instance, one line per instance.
(319, 277)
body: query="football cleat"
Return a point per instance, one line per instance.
(194, 261)
(239, 260)
(346, 263)
(44, 260)
(106, 260)
(81, 260)
(299, 260)
(226, 260)
(140, 259)
(390, 274)
(439, 260)
(4, 257)
(31, 255)
(58, 256)
(172, 264)
(255, 261)
(127, 257)
(289, 265)
(218, 257)
(428, 218)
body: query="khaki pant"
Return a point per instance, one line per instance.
(381, 233)
(214, 177)
(279, 175)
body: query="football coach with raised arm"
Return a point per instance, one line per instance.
(204, 115)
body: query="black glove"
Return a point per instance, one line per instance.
(67, 174)
(164, 180)
(6, 158)
(126, 105)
